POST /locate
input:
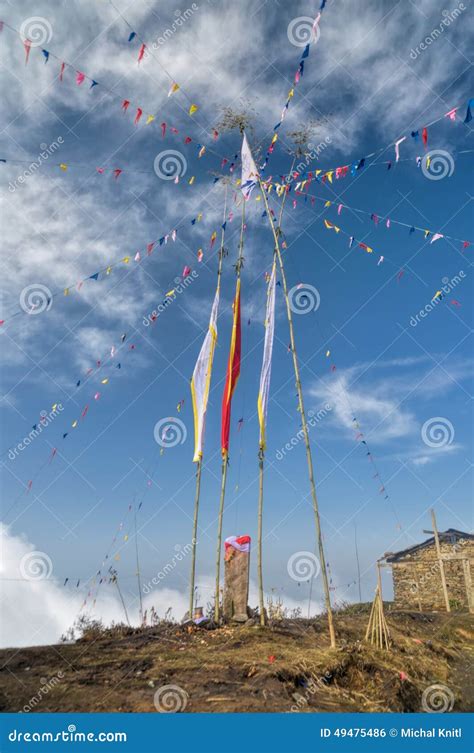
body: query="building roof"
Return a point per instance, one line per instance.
(451, 536)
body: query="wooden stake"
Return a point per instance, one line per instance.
(440, 561)
(327, 597)
(467, 580)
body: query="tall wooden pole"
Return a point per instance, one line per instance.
(225, 458)
(219, 538)
(440, 561)
(261, 599)
(138, 572)
(194, 539)
(261, 462)
(199, 464)
(327, 597)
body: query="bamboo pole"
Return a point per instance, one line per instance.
(219, 538)
(440, 561)
(367, 632)
(467, 580)
(138, 572)
(194, 538)
(225, 458)
(261, 459)
(115, 580)
(309, 458)
(199, 467)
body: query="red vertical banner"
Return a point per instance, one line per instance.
(233, 372)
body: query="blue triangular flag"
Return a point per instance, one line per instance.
(46, 55)
(94, 83)
(305, 52)
(94, 276)
(132, 35)
(468, 117)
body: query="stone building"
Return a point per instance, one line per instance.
(416, 573)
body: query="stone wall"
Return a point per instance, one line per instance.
(420, 583)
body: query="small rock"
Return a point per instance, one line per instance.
(151, 684)
(240, 617)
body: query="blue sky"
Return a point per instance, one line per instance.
(365, 90)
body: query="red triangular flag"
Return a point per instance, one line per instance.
(138, 115)
(27, 46)
(141, 52)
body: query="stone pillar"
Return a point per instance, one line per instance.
(236, 578)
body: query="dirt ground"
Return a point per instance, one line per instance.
(285, 667)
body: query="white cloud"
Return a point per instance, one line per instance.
(39, 612)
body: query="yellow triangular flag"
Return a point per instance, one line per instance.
(150, 119)
(191, 181)
(63, 166)
(193, 109)
(126, 259)
(327, 204)
(105, 381)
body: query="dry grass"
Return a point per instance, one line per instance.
(288, 666)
